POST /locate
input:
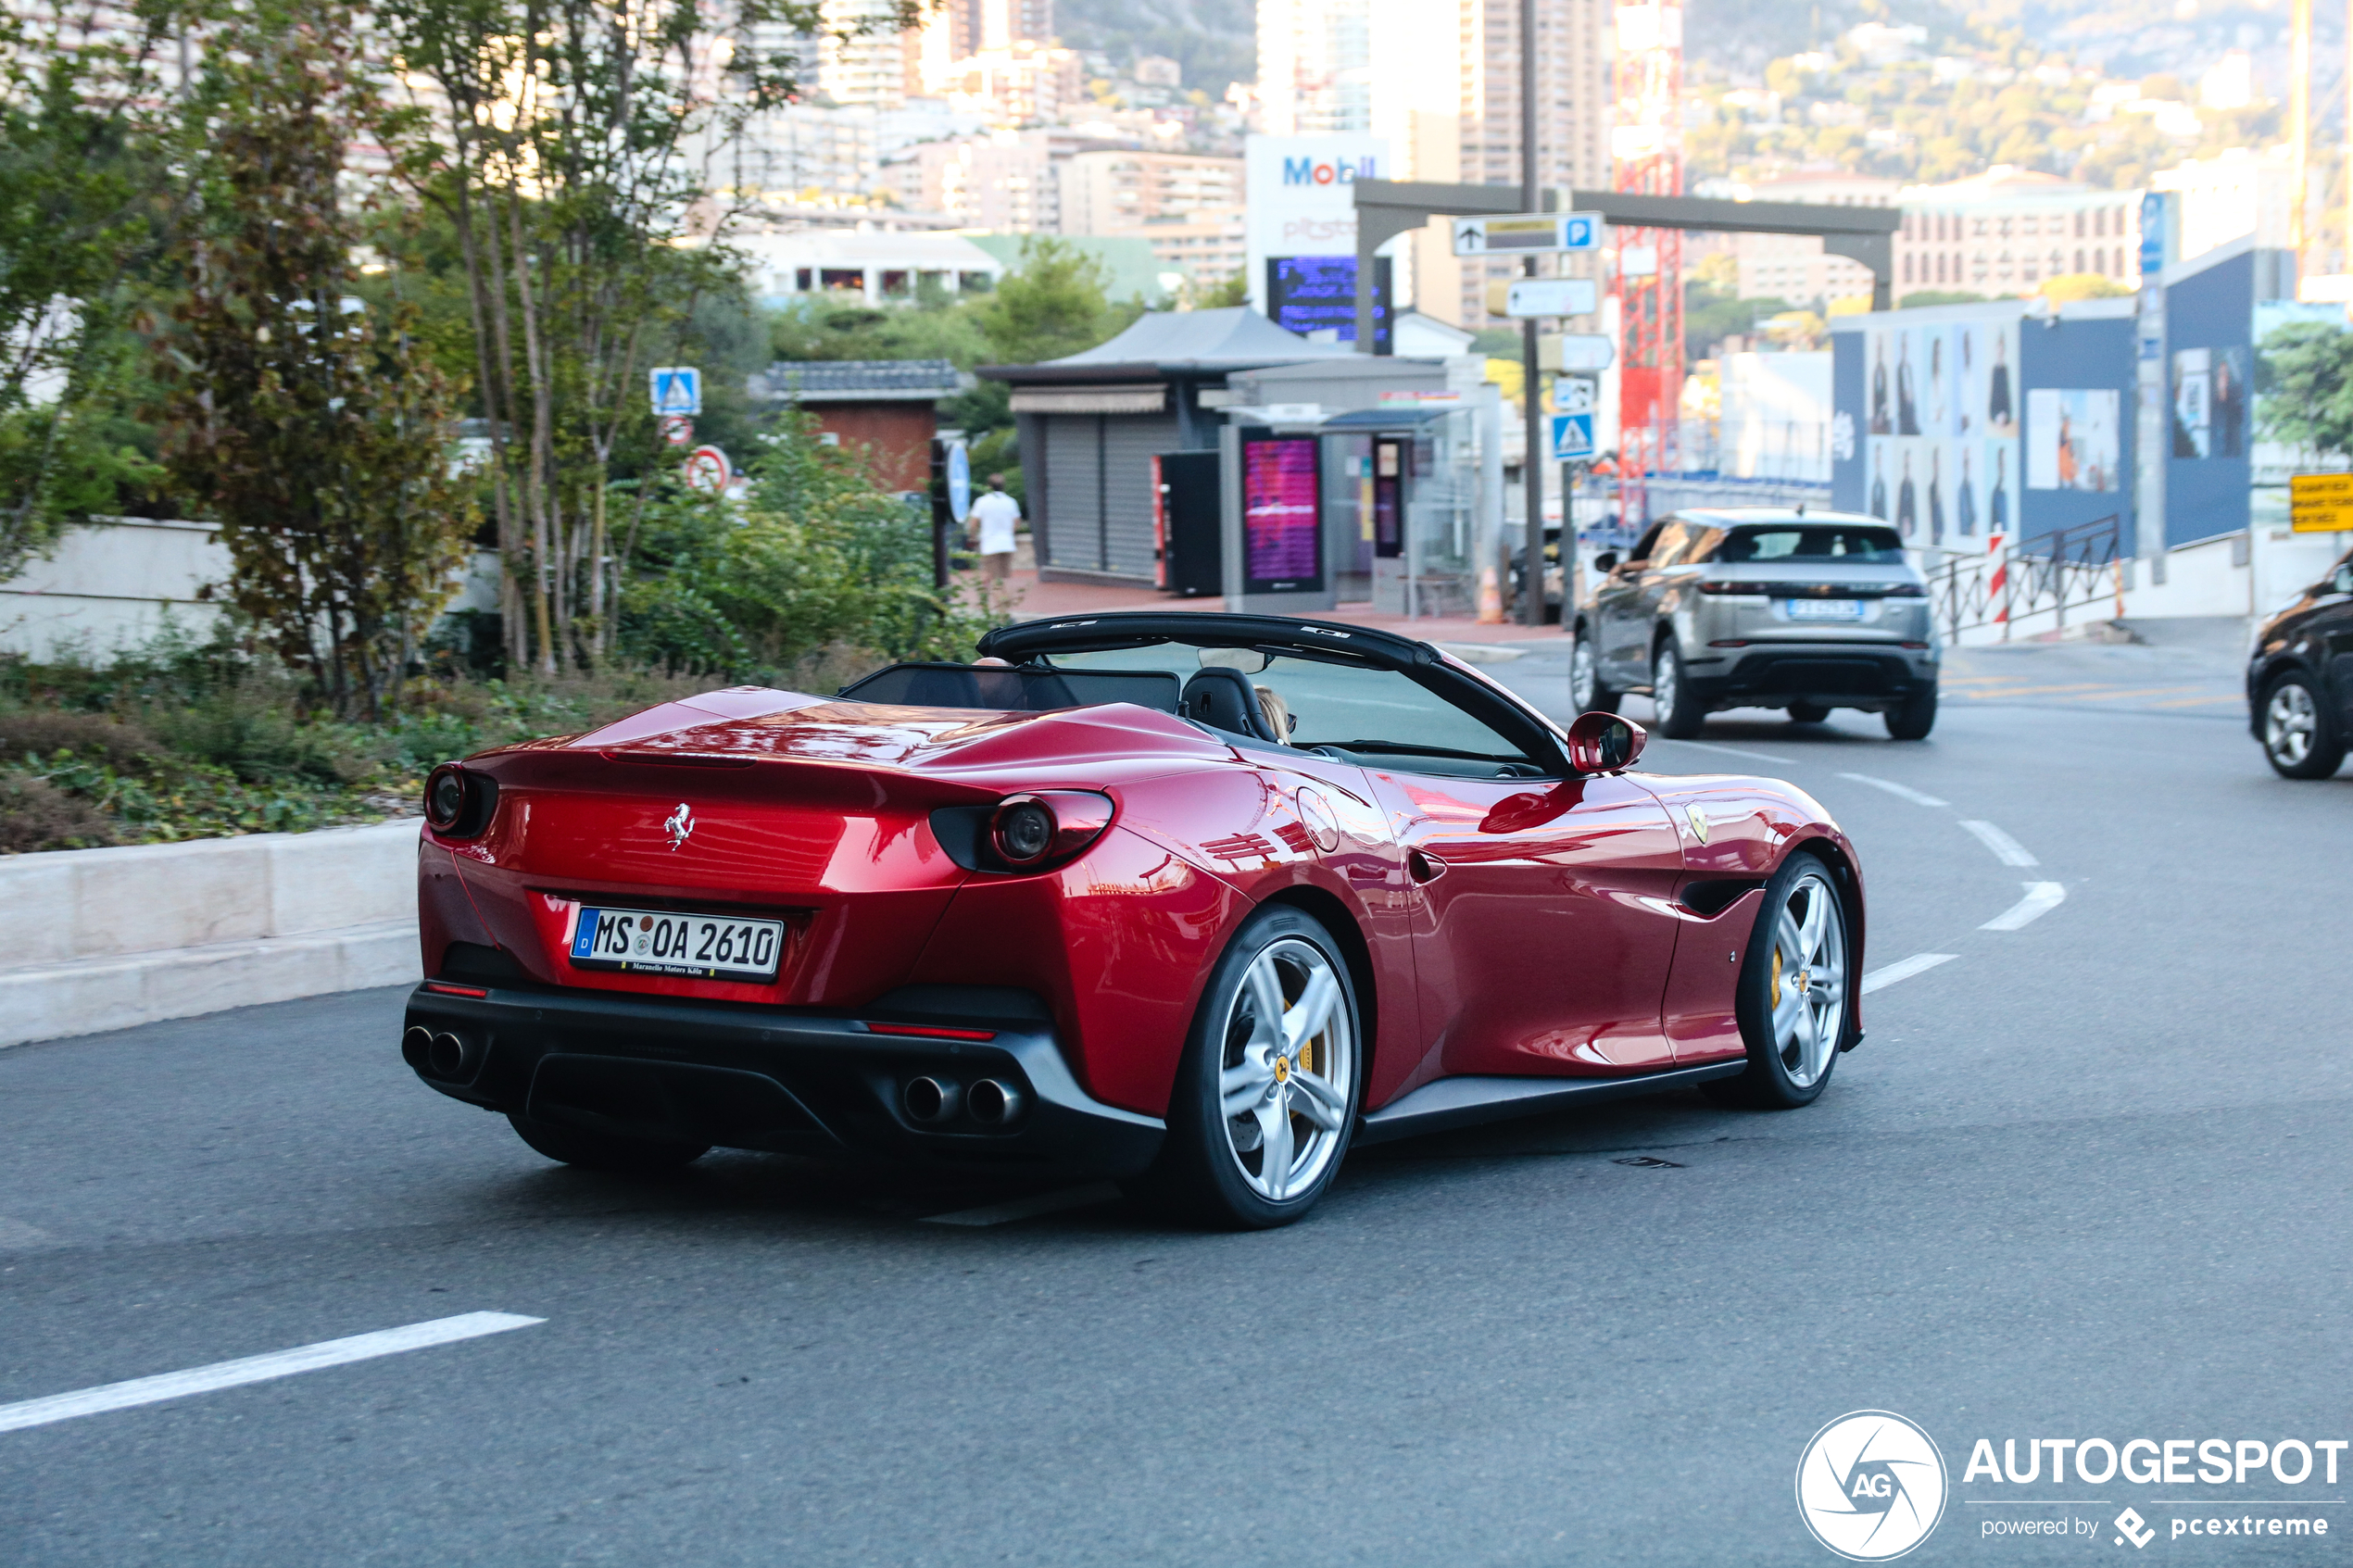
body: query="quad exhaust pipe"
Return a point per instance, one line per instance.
(931, 1102)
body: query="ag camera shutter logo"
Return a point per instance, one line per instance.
(1872, 1486)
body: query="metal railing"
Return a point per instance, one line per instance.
(2073, 569)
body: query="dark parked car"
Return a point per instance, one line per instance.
(1755, 606)
(2299, 680)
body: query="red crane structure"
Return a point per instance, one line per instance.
(1646, 149)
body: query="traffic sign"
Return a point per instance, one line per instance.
(960, 481)
(707, 470)
(1524, 297)
(677, 430)
(1527, 234)
(1572, 437)
(1576, 351)
(2319, 503)
(677, 389)
(1576, 395)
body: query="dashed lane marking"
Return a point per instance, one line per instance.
(1903, 791)
(1904, 969)
(1735, 751)
(2040, 899)
(257, 1369)
(1029, 1207)
(2009, 850)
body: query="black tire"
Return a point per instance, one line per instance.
(1809, 712)
(1202, 1177)
(603, 1151)
(1679, 713)
(2302, 738)
(1912, 719)
(1771, 1082)
(1584, 672)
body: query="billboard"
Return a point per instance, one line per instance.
(1941, 409)
(1317, 293)
(1282, 545)
(1302, 197)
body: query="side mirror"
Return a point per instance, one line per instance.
(1606, 561)
(2341, 580)
(1603, 742)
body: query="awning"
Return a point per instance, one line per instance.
(1393, 416)
(1149, 399)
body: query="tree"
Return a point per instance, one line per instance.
(81, 177)
(1056, 302)
(316, 432)
(577, 147)
(2304, 386)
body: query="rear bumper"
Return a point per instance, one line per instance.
(1835, 674)
(757, 1077)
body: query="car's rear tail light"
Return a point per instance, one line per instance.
(1907, 591)
(443, 988)
(1725, 586)
(1730, 642)
(459, 803)
(1032, 832)
(930, 1032)
(1913, 646)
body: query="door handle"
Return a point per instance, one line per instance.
(1425, 866)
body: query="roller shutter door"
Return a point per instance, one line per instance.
(1129, 444)
(1074, 485)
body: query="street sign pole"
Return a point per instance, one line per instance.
(939, 515)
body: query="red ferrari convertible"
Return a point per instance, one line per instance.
(1195, 901)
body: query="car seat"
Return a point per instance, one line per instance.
(1223, 699)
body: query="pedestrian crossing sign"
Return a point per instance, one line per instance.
(678, 390)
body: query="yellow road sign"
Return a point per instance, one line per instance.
(2319, 503)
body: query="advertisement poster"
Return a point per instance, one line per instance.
(1281, 541)
(2210, 402)
(1942, 405)
(2073, 438)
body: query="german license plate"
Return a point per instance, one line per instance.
(664, 942)
(1826, 609)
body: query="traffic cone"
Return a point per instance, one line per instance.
(1490, 596)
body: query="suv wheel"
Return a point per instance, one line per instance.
(1680, 714)
(2299, 740)
(1913, 718)
(1586, 692)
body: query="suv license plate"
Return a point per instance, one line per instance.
(664, 942)
(1825, 610)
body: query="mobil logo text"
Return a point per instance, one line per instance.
(1328, 170)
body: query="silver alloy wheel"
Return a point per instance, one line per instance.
(1583, 678)
(1663, 682)
(2290, 723)
(1810, 978)
(1289, 1070)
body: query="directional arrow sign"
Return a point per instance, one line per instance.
(1550, 296)
(1530, 233)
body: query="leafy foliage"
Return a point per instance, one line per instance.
(2304, 382)
(316, 432)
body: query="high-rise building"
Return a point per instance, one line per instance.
(1316, 74)
(1444, 89)
(1109, 192)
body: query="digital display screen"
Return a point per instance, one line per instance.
(1281, 540)
(1317, 293)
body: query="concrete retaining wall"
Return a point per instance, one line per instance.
(107, 938)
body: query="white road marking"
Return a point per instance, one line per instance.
(256, 1369)
(1904, 792)
(1734, 751)
(1029, 1207)
(1904, 969)
(2040, 899)
(2009, 850)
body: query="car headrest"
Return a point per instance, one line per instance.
(1223, 698)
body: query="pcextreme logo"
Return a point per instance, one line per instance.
(1872, 1486)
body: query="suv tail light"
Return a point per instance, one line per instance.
(1907, 591)
(1725, 586)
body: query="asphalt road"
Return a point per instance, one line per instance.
(2087, 1178)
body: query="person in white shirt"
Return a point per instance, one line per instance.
(992, 519)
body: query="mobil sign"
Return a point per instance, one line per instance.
(1302, 192)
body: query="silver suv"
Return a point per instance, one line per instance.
(1754, 607)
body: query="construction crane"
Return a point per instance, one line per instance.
(1646, 151)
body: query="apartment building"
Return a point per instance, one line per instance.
(1114, 191)
(1792, 266)
(2006, 231)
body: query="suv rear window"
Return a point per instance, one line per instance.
(1843, 542)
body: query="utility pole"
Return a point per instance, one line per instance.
(1531, 462)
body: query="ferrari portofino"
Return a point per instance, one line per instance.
(1195, 901)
